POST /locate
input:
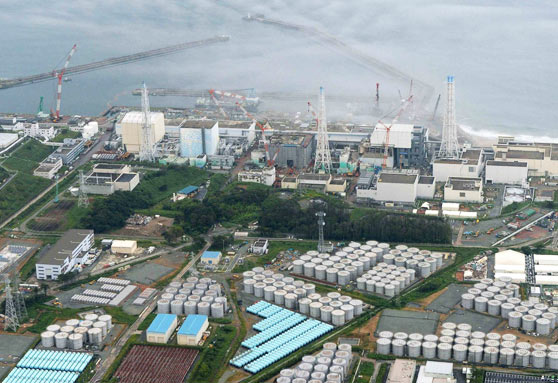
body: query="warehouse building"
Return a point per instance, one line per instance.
(6, 139)
(265, 176)
(36, 131)
(436, 372)
(48, 168)
(470, 164)
(506, 172)
(108, 183)
(292, 150)
(64, 256)
(426, 187)
(391, 186)
(161, 329)
(70, 150)
(127, 247)
(199, 137)
(462, 189)
(191, 331)
(259, 247)
(211, 257)
(511, 263)
(131, 128)
(541, 158)
(402, 371)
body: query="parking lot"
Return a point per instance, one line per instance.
(504, 377)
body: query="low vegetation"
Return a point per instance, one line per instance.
(21, 189)
(65, 133)
(213, 355)
(365, 372)
(382, 372)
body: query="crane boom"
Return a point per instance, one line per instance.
(270, 161)
(60, 74)
(388, 129)
(214, 99)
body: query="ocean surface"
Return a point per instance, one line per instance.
(503, 54)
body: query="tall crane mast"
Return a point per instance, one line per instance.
(214, 99)
(388, 129)
(270, 161)
(60, 75)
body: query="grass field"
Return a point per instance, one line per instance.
(65, 133)
(212, 358)
(20, 190)
(32, 150)
(275, 247)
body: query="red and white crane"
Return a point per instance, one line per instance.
(388, 128)
(212, 93)
(60, 75)
(270, 161)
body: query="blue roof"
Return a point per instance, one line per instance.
(188, 190)
(192, 324)
(161, 323)
(211, 254)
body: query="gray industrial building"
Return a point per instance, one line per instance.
(69, 151)
(292, 150)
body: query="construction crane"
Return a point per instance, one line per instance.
(388, 129)
(270, 161)
(60, 75)
(218, 104)
(113, 61)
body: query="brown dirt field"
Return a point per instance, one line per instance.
(369, 327)
(238, 376)
(501, 329)
(164, 261)
(429, 299)
(155, 228)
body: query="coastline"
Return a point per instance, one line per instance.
(475, 140)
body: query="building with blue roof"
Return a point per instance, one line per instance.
(211, 257)
(191, 331)
(162, 328)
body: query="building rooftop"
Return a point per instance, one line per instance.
(192, 325)
(400, 135)
(338, 181)
(211, 254)
(161, 323)
(314, 177)
(64, 247)
(426, 180)
(463, 183)
(260, 242)
(402, 371)
(506, 163)
(521, 154)
(291, 139)
(397, 178)
(188, 190)
(126, 177)
(439, 368)
(197, 124)
(289, 179)
(471, 154)
(109, 166)
(137, 117)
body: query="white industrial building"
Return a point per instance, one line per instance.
(470, 164)
(259, 247)
(402, 371)
(48, 168)
(539, 156)
(6, 139)
(88, 130)
(436, 372)
(131, 127)
(191, 331)
(426, 187)
(105, 179)
(127, 247)
(161, 329)
(463, 189)
(198, 137)
(400, 187)
(36, 131)
(511, 263)
(506, 172)
(265, 176)
(64, 256)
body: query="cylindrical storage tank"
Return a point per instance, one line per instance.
(217, 310)
(258, 289)
(182, 297)
(167, 296)
(492, 343)
(304, 306)
(325, 313)
(359, 267)
(349, 312)
(551, 317)
(47, 339)
(460, 352)
(283, 379)
(176, 307)
(494, 307)
(467, 301)
(320, 272)
(290, 301)
(72, 322)
(429, 350)
(491, 355)
(444, 351)
(538, 359)
(389, 259)
(447, 332)
(92, 317)
(478, 335)
(102, 326)
(541, 306)
(171, 290)
(400, 261)
(190, 307)
(528, 323)
(534, 312)
(61, 339)
(474, 291)
(432, 262)
(75, 341)
(298, 266)
(361, 283)
(383, 346)
(463, 334)
(352, 272)
(481, 304)
(379, 286)
(245, 275)
(487, 294)
(522, 357)
(439, 259)
(331, 275)
(338, 317)
(389, 290)
(386, 334)
(507, 356)
(315, 309)
(95, 336)
(309, 269)
(476, 342)
(249, 285)
(446, 339)
(449, 326)
(53, 328)
(365, 262)
(314, 297)
(68, 329)
(267, 281)
(431, 338)
(493, 289)
(204, 308)
(398, 346)
(553, 360)
(475, 354)
(514, 319)
(279, 297)
(412, 264)
(505, 309)
(543, 326)
(358, 305)
(507, 344)
(269, 293)
(343, 277)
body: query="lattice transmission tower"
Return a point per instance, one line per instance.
(323, 154)
(449, 147)
(11, 319)
(83, 200)
(147, 148)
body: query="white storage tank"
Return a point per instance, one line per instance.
(444, 351)
(361, 283)
(315, 309)
(514, 319)
(543, 326)
(429, 350)
(102, 326)
(47, 339)
(331, 275)
(494, 307)
(53, 328)
(298, 266)
(343, 277)
(176, 307)
(309, 269)
(68, 329)
(61, 339)
(389, 290)
(320, 272)
(460, 352)
(398, 347)
(553, 360)
(552, 319)
(538, 359)
(259, 289)
(475, 354)
(383, 346)
(217, 310)
(95, 336)
(522, 358)
(505, 309)
(481, 304)
(325, 313)
(413, 348)
(349, 311)
(75, 341)
(190, 307)
(338, 317)
(528, 323)
(72, 322)
(507, 356)
(467, 301)
(491, 355)
(269, 293)
(279, 297)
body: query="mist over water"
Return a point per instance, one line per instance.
(503, 54)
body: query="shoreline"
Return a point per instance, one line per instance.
(473, 139)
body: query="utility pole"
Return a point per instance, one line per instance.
(321, 223)
(449, 147)
(11, 320)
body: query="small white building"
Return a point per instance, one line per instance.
(260, 246)
(511, 263)
(265, 176)
(211, 257)
(36, 131)
(470, 164)
(127, 247)
(191, 331)
(436, 372)
(462, 189)
(162, 327)
(391, 186)
(506, 172)
(48, 168)
(426, 187)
